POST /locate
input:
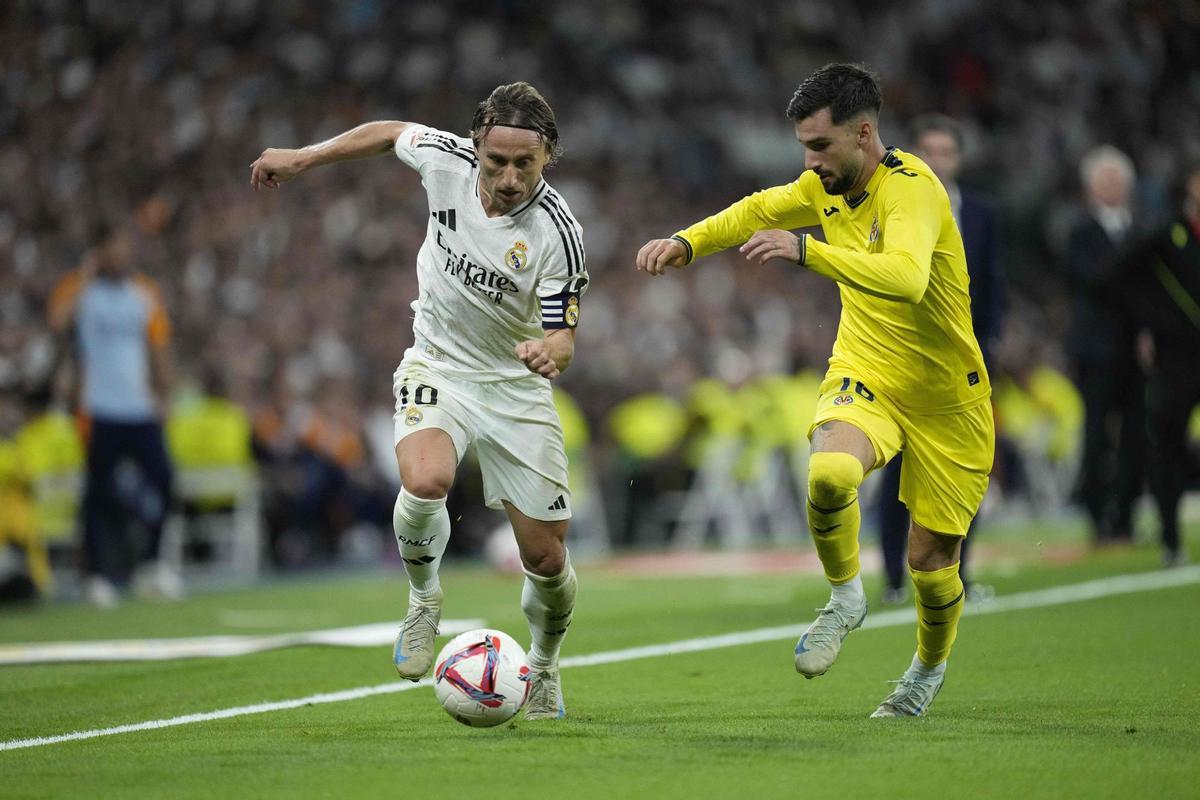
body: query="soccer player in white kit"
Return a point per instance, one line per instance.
(501, 274)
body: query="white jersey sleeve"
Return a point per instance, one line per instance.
(564, 276)
(424, 148)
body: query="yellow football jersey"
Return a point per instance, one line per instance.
(898, 258)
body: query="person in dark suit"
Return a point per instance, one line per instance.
(1102, 344)
(1158, 281)
(937, 139)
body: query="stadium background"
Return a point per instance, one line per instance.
(294, 305)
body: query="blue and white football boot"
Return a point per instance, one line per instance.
(413, 652)
(818, 647)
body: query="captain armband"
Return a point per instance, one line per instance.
(560, 310)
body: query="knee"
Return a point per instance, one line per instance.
(833, 479)
(428, 485)
(928, 561)
(545, 558)
(929, 551)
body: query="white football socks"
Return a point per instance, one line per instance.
(422, 530)
(849, 593)
(922, 669)
(548, 604)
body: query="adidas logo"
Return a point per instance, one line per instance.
(445, 217)
(558, 505)
(417, 562)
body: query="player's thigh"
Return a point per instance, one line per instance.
(946, 468)
(521, 453)
(432, 430)
(540, 542)
(851, 418)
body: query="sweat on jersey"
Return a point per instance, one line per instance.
(487, 283)
(897, 256)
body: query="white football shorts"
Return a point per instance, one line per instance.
(513, 425)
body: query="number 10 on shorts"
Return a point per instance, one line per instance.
(424, 395)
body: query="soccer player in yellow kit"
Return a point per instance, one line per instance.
(906, 373)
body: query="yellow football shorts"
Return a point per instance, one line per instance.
(947, 457)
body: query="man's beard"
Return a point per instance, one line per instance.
(841, 185)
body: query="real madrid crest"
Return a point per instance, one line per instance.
(874, 231)
(413, 416)
(571, 314)
(517, 256)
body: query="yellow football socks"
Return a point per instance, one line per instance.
(939, 607)
(833, 512)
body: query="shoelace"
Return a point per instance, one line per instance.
(419, 627)
(827, 625)
(904, 696)
(540, 691)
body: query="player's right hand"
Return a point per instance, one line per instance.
(274, 167)
(658, 254)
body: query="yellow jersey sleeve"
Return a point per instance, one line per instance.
(909, 212)
(786, 207)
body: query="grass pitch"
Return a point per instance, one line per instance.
(1099, 698)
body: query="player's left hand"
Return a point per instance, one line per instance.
(537, 359)
(765, 245)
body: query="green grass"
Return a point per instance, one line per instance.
(1091, 699)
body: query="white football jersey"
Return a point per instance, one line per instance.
(487, 283)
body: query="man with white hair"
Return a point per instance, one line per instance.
(1101, 344)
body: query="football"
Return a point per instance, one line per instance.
(480, 678)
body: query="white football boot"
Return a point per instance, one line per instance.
(912, 696)
(545, 695)
(818, 647)
(413, 652)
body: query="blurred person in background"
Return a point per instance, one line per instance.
(24, 566)
(938, 140)
(112, 319)
(501, 274)
(1102, 344)
(1159, 280)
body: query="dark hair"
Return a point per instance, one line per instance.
(845, 89)
(518, 105)
(937, 123)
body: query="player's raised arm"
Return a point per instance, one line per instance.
(277, 165)
(777, 207)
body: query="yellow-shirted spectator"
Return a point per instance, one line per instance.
(52, 453)
(19, 541)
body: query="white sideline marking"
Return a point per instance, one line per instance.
(371, 635)
(1089, 590)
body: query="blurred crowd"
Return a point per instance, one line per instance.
(295, 303)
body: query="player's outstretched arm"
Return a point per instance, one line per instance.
(277, 165)
(780, 207)
(551, 355)
(658, 254)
